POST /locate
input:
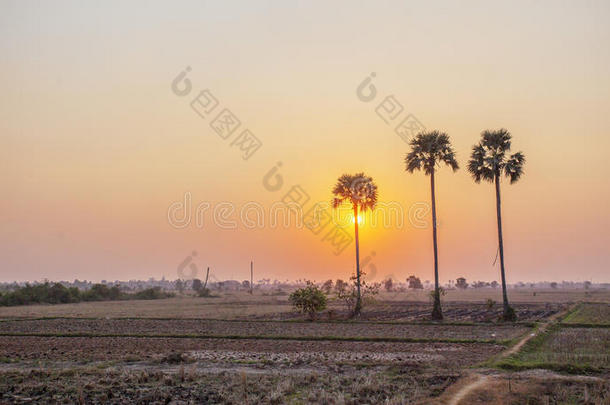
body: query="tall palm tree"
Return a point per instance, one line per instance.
(489, 161)
(361, 192)
(429, 150)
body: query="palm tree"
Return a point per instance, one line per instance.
(428, 150)
(488, 162)
(361, 192)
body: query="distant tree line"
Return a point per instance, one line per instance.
(56, 293)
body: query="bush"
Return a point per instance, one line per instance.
(40, 294)
(509, 315)
(101, 292)
(154, 293)
(441, 293)
(197, 285)
(490, 304)
(348, 293)
(308, 300)
(57, 293)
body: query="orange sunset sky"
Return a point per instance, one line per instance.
(95, 146)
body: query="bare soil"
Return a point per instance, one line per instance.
(253, 328)
(263, 352)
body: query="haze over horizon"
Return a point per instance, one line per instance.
(96, 146)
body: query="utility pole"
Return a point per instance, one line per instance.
(251, 276)
(207, 274)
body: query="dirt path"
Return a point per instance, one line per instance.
(480, 379)
(543, 328)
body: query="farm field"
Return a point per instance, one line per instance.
(465, 306)
(266, 353)
(305, 202)
(590, 313)
(293, 330)
(581, 348)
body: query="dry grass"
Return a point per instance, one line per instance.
(535, 388)
(525, 295)
(574, 350)
(589, 313)
(228, 306)
(163, 386)
(241, 305)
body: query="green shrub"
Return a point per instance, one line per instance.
(57, 293)
(101, 292)
(154, 293)
(348, 292)
(308, 300)
(40, 294)
(490, 304)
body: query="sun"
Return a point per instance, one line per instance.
(360, 219)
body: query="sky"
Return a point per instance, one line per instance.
(99, 147)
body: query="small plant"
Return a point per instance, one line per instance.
(509, 315)
(388, 284)
(490, 304)
(441, 292)
(414, 283)
(435, 297)
(327, 286)
(308, 300)
(174, 358)
(348, 293)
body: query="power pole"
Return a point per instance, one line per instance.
(207, 274)
(251, 276)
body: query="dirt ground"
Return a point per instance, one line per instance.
(241, 349)
(536, 387)
(87, 349)
(262, 328)
(412, 305)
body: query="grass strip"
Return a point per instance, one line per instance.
(572, 313)
(585, 325)
(517, 365)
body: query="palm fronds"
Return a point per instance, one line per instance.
(489, 157)
(428, 150)
(358, 189)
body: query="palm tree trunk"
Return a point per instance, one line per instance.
(437, 312)
(358, 306)
(508, 311)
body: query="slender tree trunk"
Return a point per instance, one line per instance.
(358, 306)
(508, 311)
(437, 312)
